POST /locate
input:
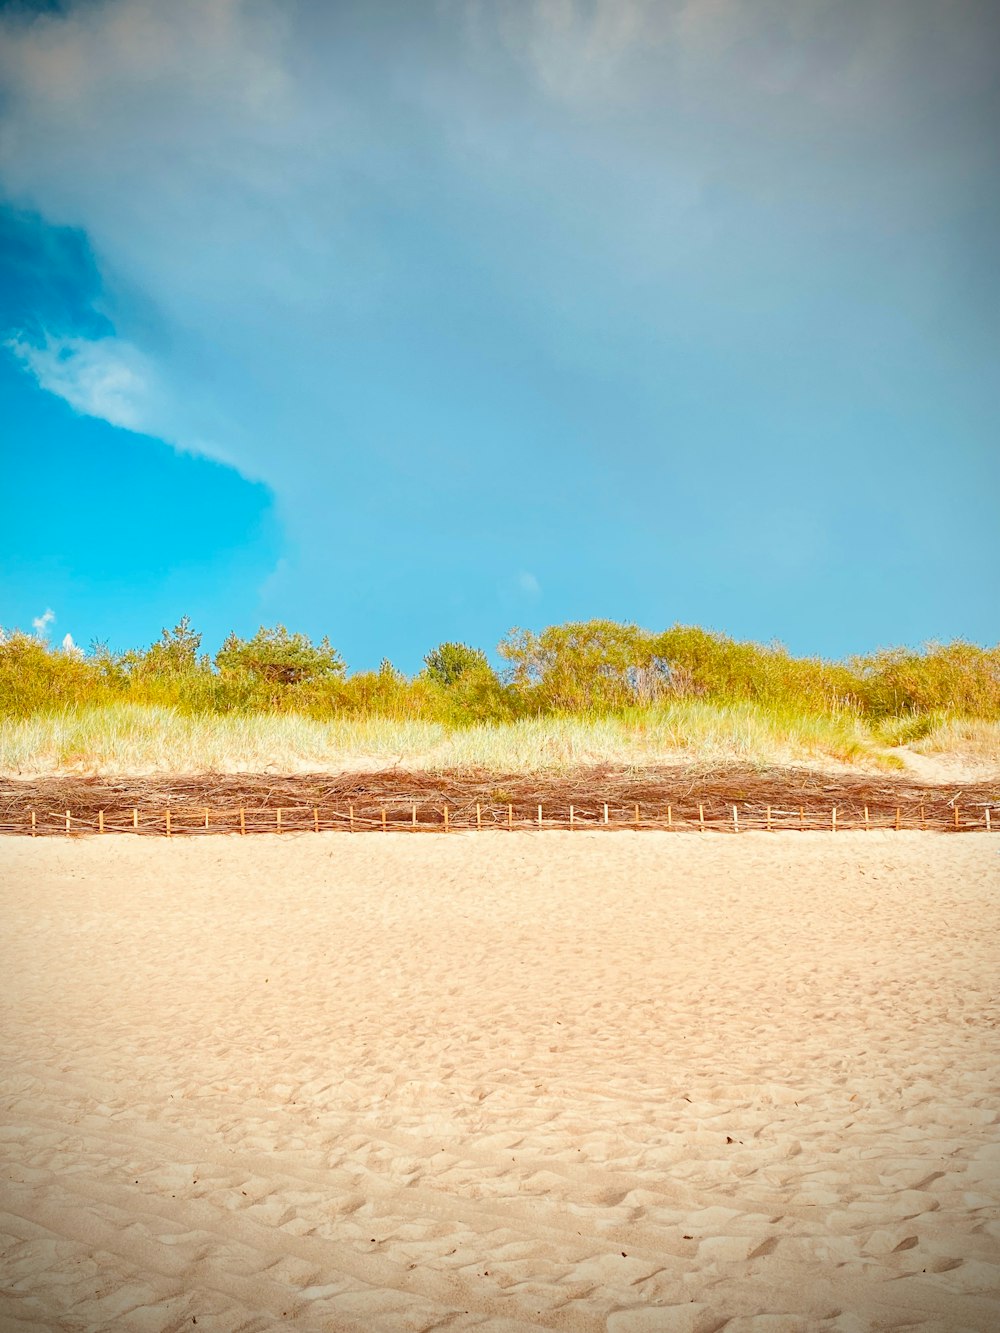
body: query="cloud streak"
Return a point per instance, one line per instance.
(103, 378)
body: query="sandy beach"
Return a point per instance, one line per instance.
(632, 1082)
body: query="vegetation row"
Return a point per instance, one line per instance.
(590, 669)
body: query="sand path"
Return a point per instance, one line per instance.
(569, 1081)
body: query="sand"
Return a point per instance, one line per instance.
(572, 1081)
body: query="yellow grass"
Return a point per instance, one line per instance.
(129, 738)
(964, 737)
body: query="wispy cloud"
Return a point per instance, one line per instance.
(41, 623)
(103, 378)
(576, 50)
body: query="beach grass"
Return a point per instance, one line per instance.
(132, 738)
(571, 696)
(972, 738)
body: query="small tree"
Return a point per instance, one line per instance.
(278, 658)
(467, 688)
(584, 665)
(449, 662)
(176, 652)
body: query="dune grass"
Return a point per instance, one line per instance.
(971, 738)
(586, 693)
(130, 738)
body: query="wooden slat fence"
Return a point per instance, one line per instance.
(398, 816)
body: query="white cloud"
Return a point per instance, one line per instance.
(246, 194)
(104, 378)
(529, 584)
(165, 133)
(41, 623)
(68, 646)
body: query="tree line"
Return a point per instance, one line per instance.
(593, 667)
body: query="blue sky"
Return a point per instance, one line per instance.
(402, 323)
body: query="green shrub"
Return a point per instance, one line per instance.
(275, 657)
(584, 669)
(449, 662)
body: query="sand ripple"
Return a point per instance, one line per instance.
(562, 1081)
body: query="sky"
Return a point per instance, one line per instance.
(404, 323)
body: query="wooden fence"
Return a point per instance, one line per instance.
(420, 817)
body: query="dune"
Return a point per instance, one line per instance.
(565, 1080)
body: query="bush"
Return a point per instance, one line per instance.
(279, 658)
(583, 666)
(957, 677)
(594, 667)
(35, 677)
(448, 663)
